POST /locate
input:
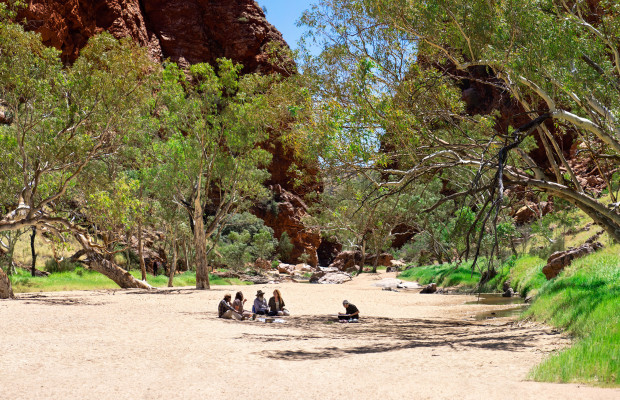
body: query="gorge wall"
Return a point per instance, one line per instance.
(188, 32)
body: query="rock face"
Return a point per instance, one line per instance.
(287, 216)
(68, 24)
(185, 31)
(561, 259)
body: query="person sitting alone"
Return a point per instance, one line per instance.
(238, 306)
(352, 313)
(225, 309)
(276, 305)
(260, 304)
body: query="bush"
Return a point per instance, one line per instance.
(285, 246)
(52, 266)
(244, 239)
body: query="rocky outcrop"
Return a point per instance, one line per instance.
(184, 31)
(350, 260)
(68, 24)
(193, 31)
(530, 211)
(561, 259)
(330, 277)
(286, 215)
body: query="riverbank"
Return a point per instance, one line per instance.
(583, 301)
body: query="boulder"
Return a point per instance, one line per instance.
(409, 285)
(335, 278)
(561, 259)
(388, 283)
(329, 275)
(508, 293)
(384, 259)
(284, 268)
(303, 268)
(346, 260)
(430, 288)
(262, 264)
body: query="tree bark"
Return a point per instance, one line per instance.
(186, 254)
(6, 290)
(121, 277)
(140, 254)
(363, 260)
(97, 262)
(202, 272)
(607, 218)
(33, 251)
(173, 267)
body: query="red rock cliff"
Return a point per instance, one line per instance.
(185, 31)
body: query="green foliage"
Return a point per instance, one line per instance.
(245, 238)
(285, 246)
(67, 122)
(52, 266)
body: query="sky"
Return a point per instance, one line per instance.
(283, 14)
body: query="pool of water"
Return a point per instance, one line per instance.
(508, 312)
(490, 299)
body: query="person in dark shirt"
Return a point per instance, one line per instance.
(225, 309)
(352, 313)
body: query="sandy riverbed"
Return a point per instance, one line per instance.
(169, 344)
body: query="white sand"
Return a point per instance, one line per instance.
(169, 344)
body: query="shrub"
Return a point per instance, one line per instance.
(52, 266)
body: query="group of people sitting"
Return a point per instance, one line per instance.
(235, 310)
(275, 307)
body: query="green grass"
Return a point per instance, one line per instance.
(526, 275)
(84, 279)
(585, 301)
(443, 275)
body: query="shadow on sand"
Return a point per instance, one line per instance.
(387, 334)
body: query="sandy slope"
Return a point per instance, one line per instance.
(169, 345)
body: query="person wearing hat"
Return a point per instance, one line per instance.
(260, 304)
(352, 313)
(225, 309)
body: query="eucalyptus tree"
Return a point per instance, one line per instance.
(64, 123)
(215, 120)
(391, 72)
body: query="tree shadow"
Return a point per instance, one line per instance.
(55, 301)
(386, 335)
